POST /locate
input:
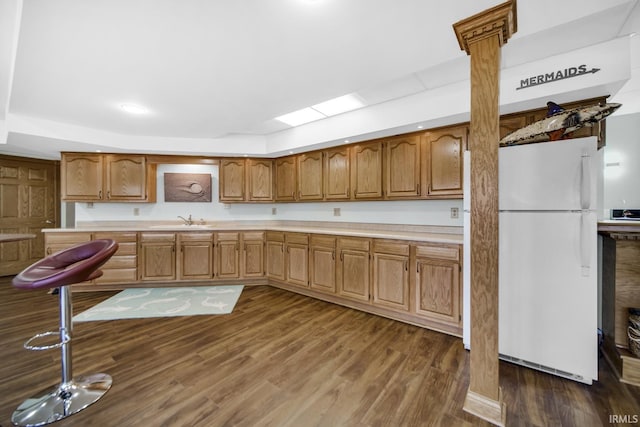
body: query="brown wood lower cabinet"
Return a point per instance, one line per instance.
(391, 274)
(252, 264)
(353, 268)
(438, 283)
(297, 259)
(195, 257)
(322, 263)
(227, 255)
(157, 256)
(122, 267)
(274, 254)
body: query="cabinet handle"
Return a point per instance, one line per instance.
(100, 194)
(236, 247)
(418, 188)
(341, 256)
(333, 255)
(245, 247)
(417, 268)
(406, 266)
(109, 194)
(49, 251)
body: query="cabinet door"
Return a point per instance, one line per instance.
(438, 290)
(125, 177)
(275, 259)
(158, 256)
(443, 161)
(297, 256)
(366, 171)
(337, 173)
(260, 180)
(402, 171)
(227, 255)
(231, 180)
(310, 177)
(322, 264)
(195, 261)
(286, 182)
(253, 254)
(353, 268)
(81, 177)
(391, 275)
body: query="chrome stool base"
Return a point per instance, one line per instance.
(61, 400)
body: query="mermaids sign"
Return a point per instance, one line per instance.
(559, 123)
(556, 75)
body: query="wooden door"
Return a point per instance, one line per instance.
(443, 161)
(81, 177)
(125, 177)
(391, 275)
(366, 171)
(227, 255)
(337, 173)
(231, 180)
(353, 267)
(274, 253)
(252, 254)
(402, 167)
(322, 264)
(195, 257)
(310, 177)
(260, 180)
(28, 203)
(286, 182)
(158, 256)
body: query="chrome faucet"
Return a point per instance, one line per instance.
(187, 221)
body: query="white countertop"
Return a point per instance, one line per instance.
(432, 234)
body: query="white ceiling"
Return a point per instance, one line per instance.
(214, 74)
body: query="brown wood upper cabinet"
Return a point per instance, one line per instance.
(310, 176)
(246, 180)
(402, 167)
(89, 177)
(442, 167)
(337, 173)
(366, 170)
(286, 179)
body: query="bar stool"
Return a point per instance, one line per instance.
(76, 264)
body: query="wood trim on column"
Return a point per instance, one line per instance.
(482, 36)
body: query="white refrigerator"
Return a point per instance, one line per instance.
(548, 257)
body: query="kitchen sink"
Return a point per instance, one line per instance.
(182, 227)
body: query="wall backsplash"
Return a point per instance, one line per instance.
(415, 212)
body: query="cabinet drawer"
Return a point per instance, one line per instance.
(120, 275)
(67, 238)
(118, 237)
(126, 248)
(440, 252)
(222, 237)
(390, 247)
(129, 261)
(275, 236)
(354, 243)
(195, 237)
(299, 238)
(157, 237)
(325, 241)
(253, 235)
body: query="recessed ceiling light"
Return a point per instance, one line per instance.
(338, 105)
(133, 109)
(301, 117)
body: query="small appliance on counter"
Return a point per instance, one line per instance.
(625, 214)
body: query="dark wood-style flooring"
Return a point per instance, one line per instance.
(279, 359)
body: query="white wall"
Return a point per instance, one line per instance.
(621, 182)
(416, 212)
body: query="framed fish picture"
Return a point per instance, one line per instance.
(187, 187)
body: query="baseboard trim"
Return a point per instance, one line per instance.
(493, 411)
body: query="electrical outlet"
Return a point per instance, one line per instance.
(136, 211)
(454, 213)
(89, 205)
(274, 211)
(336, 211)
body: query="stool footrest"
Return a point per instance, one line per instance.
(29, 346)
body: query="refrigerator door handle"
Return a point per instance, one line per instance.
(585, 182)
(584, 244)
